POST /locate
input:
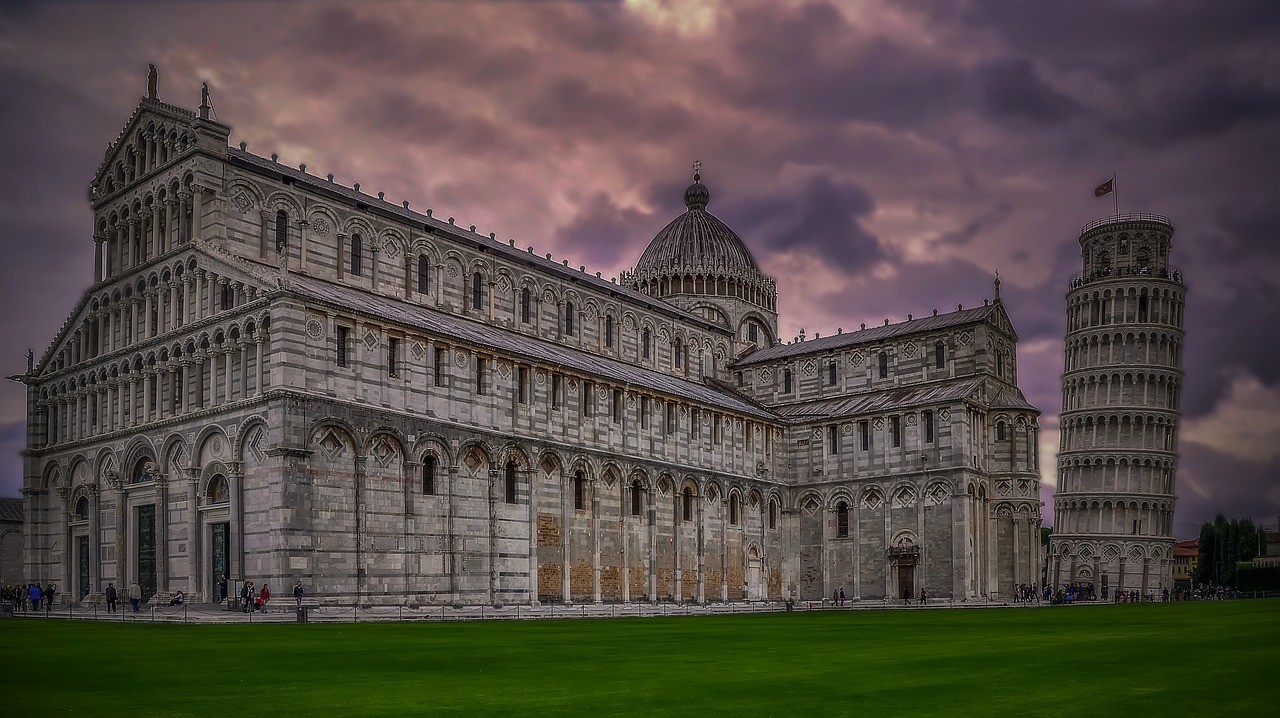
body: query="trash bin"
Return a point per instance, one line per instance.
(790, 605)
(302, 614)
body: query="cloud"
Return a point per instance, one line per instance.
(1014, 89)
(1243, 425)
(824, 218)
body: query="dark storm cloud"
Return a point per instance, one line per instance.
(1014, 89)
(1211, 483)
(604, 234)
(427, 121)
(1219, 348)
(809, 63)
(1205, 105)
(573, 106)
(823, 219)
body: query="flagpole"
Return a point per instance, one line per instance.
(1115, 193)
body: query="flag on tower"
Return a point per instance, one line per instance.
(1105, 188)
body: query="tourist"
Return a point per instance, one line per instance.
(34, 593)
(135, 595)
(222, 589)
(297, 593)
(49, 592)
(263, 597)
(923, 597)
(246, 596)
(111, 597)
(842, 598)
(906, 596)
(177, 599)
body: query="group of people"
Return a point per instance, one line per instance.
(1025, 593)
(33, 593)
(1072, 592)
(251, 600)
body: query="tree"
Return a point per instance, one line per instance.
(1223, 545)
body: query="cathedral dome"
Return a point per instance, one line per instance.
(696, 242)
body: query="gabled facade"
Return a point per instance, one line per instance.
(276, 377)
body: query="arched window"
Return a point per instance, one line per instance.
(424, 274)
(679, 353)
(637, 497)
(842, 520)
(568, 319)
(82, 508)
(357, 255)
(218, 492)
(773, 514)
(1142, 308)
(525, 299)
(646, 342)
(786, 380)
(143, 470)
(579, 491)
(477, 290)
(1000, 430)
(884, 365)
(686, 503)
(429, 475)
(608, 330)
(735, 509)
(282, 230)
(511, 482)
(939, 355)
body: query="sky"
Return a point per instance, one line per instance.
(879, 158)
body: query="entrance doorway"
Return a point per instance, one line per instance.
(906, 581)
(219, 557)
(82, 567)
(147, 550)
(753, 575)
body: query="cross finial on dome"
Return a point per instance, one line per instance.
(697, 194)
(697, 170)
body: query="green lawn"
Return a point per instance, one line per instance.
(1129, 660)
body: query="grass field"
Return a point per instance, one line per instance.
(1132, 660)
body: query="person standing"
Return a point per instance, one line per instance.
(34, 593)
(263, 597)
(49, 592)
(246, 596)
(842, 598)
(111, 597)
(135, 595)
(222, 589)
(297, 593)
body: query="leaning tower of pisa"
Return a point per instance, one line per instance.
(1121, 382)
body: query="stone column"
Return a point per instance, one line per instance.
(186, 385)
(532, 477)
(493, 532)
(264, 232)
(454, 545)
(362, 571)
(702, 545)
(95, 551)
(157, 242)
(408, 276)
(595, 541)
(565, 516)
(174, 314)
(122, 531)
(226, 379)
(197, 211)
(651, 510)
(244, 369)
(677, 528)
(148, 375)
(303, 226)
(342, 248)
(98, 241)
(131, 250)
(170, 224)
(238, 550)
(374, 249)
(195, 587)
(260, 342)
(162, 540)
(724, 548)
(183, 201)
(211, 400)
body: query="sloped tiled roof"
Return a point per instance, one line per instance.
(10, 509)
(1012, 398)
(874, 334)
(897, 398)
(497, 338)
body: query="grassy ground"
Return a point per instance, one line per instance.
(1131, 660)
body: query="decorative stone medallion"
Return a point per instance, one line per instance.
(315, 329)
(320, 227)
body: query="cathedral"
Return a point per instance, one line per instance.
(274, 376)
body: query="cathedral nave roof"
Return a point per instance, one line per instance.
(448, 326)
(871, 334)
(950, 390)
